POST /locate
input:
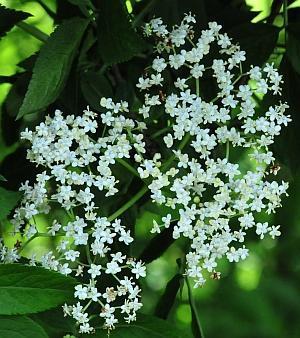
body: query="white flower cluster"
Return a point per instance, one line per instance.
(77, 168)
(214, 200)
(211, 200)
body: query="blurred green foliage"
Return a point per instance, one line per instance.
(256, 298)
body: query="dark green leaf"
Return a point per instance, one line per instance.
(10, 17)
(224, 14)
(158, 245)
(145, 327)
(172, 11)
(20, 327)
(31, 289)
(125, 91)
(8, 200)
(94, 86)
(168, 298)
(15, 96)
(118, 42)
(54, 322)
(288, 143)
(168, 10)
(293, 45)
(254, 37)
(52, 66)
(88, 42)
(83, 5)
(66, 10)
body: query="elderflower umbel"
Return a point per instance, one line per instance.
(76, 168)
(209, 194)
(207, 199)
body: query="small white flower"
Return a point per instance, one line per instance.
(81, 292)
(168, 140)
(95, 270)
(138, 269)
(262, 229)
(112, 268)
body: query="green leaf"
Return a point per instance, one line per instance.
(293, 45)
(168, 298)
(31, 289)
(84, 6)
(9, 18)
(224, 14)
(287, 145)
(144, 327)
(15, 96)
(8, 200)
(52, 66)
(55, 323)
(94, 86)
(118, 42)
(158, 245)
(254, 37)
(20, 327)
(125, 91)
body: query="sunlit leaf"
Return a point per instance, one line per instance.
(52, 66)
(30, 289)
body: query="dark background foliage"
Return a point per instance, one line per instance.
(96, 49)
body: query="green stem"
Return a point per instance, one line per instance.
(35, 32)
(197, 88)
(182, 144)
(200, 333)
(103, 131)
(27, 242)
(191, 42)
(128, 166)
(285, 20)
(36, 235)
(237, 79)
(160, 132)
(87, 305)
(88, 255)
(227, 150)
(184, 141)
(128, 204)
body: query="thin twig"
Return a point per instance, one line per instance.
(194, 310)
(35, 32)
